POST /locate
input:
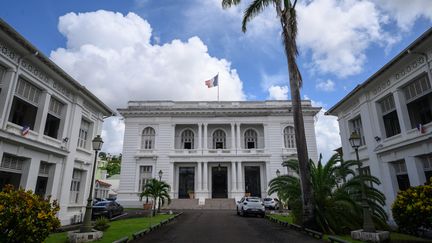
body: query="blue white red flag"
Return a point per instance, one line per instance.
(25, 130)
(421, 128)
(212, 82)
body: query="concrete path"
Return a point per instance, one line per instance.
(223, 226)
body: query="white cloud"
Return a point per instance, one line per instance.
(325, 85)
(405, 13)
(337, 33)
(111, 55)
(278, 92)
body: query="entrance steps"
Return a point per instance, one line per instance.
(210, 203)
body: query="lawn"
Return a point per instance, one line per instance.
(393, 235)
(118, 229)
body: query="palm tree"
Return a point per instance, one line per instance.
(337, 194)
(286, 12)
(159, 191)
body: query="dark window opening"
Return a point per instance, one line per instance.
(219, 145)
(52, 126)
(23, 113)
(420, 110)
(428, 175)
(403, 182)
(391, 124)
(250, 145)
(187, 145)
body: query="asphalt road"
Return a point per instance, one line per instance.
(217, 226)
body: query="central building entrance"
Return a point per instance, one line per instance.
(252, 181)
(186, 181)
(219, 182)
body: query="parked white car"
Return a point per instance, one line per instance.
(250, 205)
(271, 203)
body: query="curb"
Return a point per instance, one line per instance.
(299, 228)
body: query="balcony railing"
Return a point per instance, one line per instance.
(220, 151)
(185, 151)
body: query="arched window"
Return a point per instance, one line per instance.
(219, 139)
(289, 137)
(148, 138)
(187, 139)
(251, 139)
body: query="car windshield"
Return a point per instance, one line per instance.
(253, 199)
(104, 203)
(267, 199)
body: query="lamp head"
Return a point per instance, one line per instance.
(97, 143)
(160, 174)
(355, 140)
(278, 172)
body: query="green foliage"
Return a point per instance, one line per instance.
(25, 216)
(158, 190)
(113, 166)
(102, 224)
(412, 209)
(337, 199)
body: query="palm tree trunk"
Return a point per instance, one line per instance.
(288, 23)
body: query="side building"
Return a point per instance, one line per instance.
(47, 122)
(392, 112)
(210, 149)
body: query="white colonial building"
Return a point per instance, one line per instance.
(392, 111)
(211, 149)
(47, 122)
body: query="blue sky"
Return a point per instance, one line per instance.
(176, 45)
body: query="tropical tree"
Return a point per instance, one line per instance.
(337, 194)
(285, 10)
(159, 191)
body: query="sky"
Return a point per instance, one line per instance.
(125, 50)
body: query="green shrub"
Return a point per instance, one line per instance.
(412, 209)
(25, 216)
(102, 224)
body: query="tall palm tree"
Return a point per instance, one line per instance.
(337, 194)
(159, 191)
(286, 12)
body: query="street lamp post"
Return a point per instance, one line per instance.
(86, 226)
(278, 173)
(368, 225)
(160, 179)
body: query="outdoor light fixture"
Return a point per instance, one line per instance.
(86, 226)
(278, 172)
(160, 175)
(368, 225)
(377, 138)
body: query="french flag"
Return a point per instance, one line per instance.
(25, 130)
(212, 82)
(421, 128)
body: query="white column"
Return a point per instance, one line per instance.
(238, 136)
(415, 171)
(233, 136)
(402, 111)
(199, 136)
(205, 181)
(240, 187)
(233, 176)
(42, 113)
(205, 136)
(30, 174)
(199, 189)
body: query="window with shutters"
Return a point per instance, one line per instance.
(148, 138)
(427, 166)
(289, 137)
(219, 139)
(356, 126)
(187, 139)
(84, 134)
(401, 174)
(75, 186)
(53, 120)
(418, 95)
(251, 138)
(389, 115)
(145, 176)
(25, 104)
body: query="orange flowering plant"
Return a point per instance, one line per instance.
(25, 216)
(412, 209)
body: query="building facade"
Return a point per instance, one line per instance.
(392, 112)
(209, 149)
(47, 122)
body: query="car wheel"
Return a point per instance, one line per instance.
(238, 213)
(242, 213)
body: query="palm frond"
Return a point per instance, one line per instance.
(228, 3)
(255, 8)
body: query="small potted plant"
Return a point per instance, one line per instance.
(147, 205)
(191, 194)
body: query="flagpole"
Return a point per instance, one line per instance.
(218, 86)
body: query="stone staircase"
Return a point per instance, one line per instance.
(222, 203)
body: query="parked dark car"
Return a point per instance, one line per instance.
(106, 209)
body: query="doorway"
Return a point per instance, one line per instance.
(252, 181)
(186, 181)
(219, 182)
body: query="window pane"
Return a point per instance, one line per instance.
(391, 124)
(23, 113)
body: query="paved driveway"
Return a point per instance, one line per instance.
(223, 227)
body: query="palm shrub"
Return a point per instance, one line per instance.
(102, 224)
(412, 209)
(158, 190)
(337, 194)
(25, 216)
